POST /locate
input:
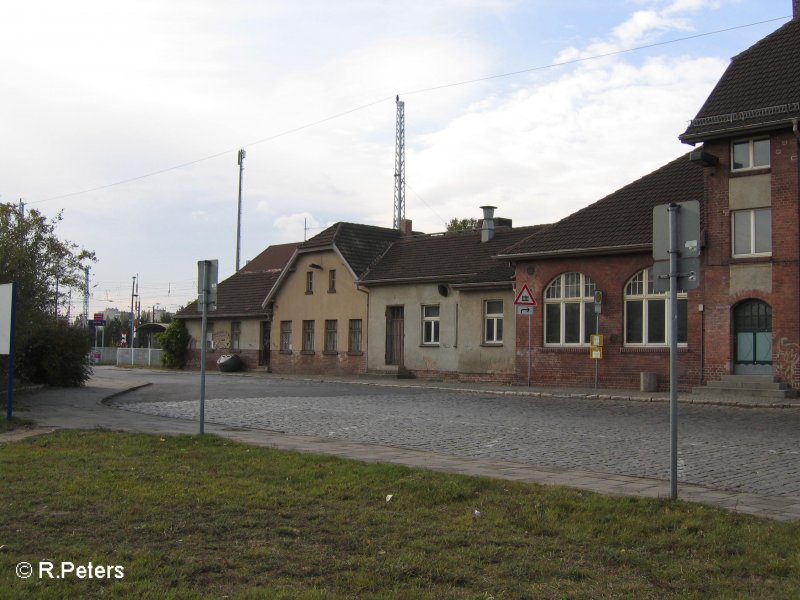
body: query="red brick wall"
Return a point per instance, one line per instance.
(340, 363)
(620, 366)
(785, 265)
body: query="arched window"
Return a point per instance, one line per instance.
(569, 316)
(647, 313)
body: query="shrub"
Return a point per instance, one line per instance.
(174, 344)
(55, 354)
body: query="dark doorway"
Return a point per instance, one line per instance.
(394, 335)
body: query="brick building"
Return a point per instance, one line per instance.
(744, 319)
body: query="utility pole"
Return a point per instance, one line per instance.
(21, 209)
(133, 294)
(400, 165)
(85, 316)
(242, 154)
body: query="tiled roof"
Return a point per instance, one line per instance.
(360, 245)
(242, 293)
(759, 89)
(456, 258)
(622, 221)
(274, 257)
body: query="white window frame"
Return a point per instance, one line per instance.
(491, 320)
(752, 225)
(568, 289)
(430, 325)
(640, 289)
(750, 154)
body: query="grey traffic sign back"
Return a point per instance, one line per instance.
(688, 230)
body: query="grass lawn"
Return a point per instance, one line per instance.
(191, 517)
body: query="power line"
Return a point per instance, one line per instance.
(408, 93)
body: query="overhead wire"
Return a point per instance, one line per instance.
(361, 107)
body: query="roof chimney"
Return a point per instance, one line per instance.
(405, 227)
(487, 230)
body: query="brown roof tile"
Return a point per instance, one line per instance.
(765, 76)
(456, 258)
(621, 221)
(242, 293)
(360, 245)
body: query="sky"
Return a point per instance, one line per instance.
(126, 118)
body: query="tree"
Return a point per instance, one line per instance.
(465, 224)
(174, 344)
(44, 267)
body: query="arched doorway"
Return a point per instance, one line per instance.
(752, 327)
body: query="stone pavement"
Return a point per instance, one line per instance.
(88, 408)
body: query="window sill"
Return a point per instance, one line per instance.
(309, 293)
(284, 352)
(567, 349)
(331, 291)
(429, 345)
(307, 352)
(750, 171)
(651, 349)
(492, 345)
(751, 258)
(355, 353)
(330, 353)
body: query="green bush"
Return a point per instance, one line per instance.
(174, 344)
(55, 354)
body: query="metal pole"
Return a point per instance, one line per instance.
(206, 266)
(530, 359)
(239, 217)
(673, 348)
(10, 392)
(597, 332)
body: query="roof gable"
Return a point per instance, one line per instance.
(359, 245)
(759, 89)
(622, 221)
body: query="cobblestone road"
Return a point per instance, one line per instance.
(753, 450)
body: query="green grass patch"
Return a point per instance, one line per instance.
(190, 517)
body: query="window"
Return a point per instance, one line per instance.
(308, 336)
(332, 280)
(310, 282)
(286, 336)
(647, 313)
(569, 316)
(330, 335)
(493, 321)
(354, 336)
(236, 335)
(752, 232)
(750, 154)
(430, 324)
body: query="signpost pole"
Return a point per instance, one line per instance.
(673, 348)
(204, 302)
(530, 357)
(10, 393)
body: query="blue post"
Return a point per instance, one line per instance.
(10, 394)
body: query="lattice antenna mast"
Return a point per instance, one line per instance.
(400, 165)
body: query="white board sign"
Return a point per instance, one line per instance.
(6, 297)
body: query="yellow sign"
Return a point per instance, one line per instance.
(595, 352)
(596, 340)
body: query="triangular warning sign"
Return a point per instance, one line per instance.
(524, 297)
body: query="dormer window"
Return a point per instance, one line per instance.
(750, 154)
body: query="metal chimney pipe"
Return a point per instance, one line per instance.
(487, 230)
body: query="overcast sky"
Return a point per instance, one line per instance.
(128, 116)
